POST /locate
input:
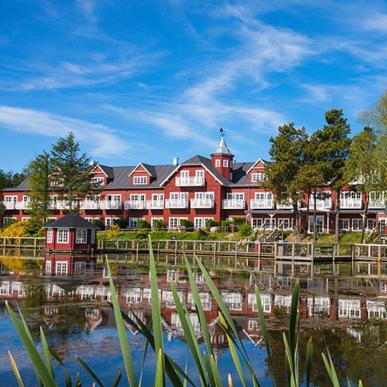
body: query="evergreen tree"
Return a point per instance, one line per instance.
(39, 171)
(71, 169)
(360, 166)
(331, 151)
(287, 155)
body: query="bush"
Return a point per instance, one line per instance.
(114, 232)
(20, 228)
(99, 223)
(186, 223)
(159, 224)
(121, 223)
(211, 223)
(225, 225)
(238, 221)
(245, 230)
(142, 224)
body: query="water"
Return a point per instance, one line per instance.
(343, 305)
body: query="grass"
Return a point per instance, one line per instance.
(166, 368)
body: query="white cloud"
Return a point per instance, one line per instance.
(100, 139)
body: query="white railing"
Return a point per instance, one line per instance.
(155, 204)
(135, 205)
(111, 205)
(325, 204)
(350, 203)
(377, 200)
(10, 205)
(176, 203)
(59, 205)
(23, 205)
(268, 203)
(233, 204)
(189, 181)
(284, 206)
(202, 203)
(90, 205)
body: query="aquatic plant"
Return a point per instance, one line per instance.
(167, 368)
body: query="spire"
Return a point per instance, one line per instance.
(222, 148)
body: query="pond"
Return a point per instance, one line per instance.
(343, 305)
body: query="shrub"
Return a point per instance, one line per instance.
(159, 224)
(20, 228)
(245, 230)
(99, 223)
(225, 225)
(238, 221)
(211, 223)
(121, 223)
(114, 232)
(186, 223)
(143, 224)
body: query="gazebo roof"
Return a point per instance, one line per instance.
(71, 221)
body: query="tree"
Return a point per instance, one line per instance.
(287, 155)
(71, 169)
(360, 166)
(331, 151)
(39, 171)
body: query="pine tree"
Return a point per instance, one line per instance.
(360, 166)
(39, 171)
(71, 169)
(286, 153)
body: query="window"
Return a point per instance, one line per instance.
(81, 235)
(140, 180)
(204, 195)
(133, 222)
(48, 267)
(175, 222)
(236, 196)
(61, 268)
(97, 180)
(357, 224)
(285, 223)
(199, 173)
(201, 222)
(63, 235)
(258, 177)
(371, 224)
(153, 220)
(136, 197)
(217, 163)
(49, 235)
(225, 163)
(257, 223)
(184, 174)
(344, 224)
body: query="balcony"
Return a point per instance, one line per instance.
(202, 203)
(284, 206)
(197, 181)
(59, 205)
(90, 205)
(111, 205)
(11, 205)
(377, 200)
(135, 205)
(350, 203)
(176, 203)
(233, 204)
(258, 204)
(155, 204)
(23, 205)
(321, 205)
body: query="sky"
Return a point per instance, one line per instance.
(147, 81)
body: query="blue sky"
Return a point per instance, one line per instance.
(149, 80)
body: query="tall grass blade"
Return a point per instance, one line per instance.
(123, 338)
(189, 335)
(159, 379)
(117, 379)
(46, 352)
(262, 324)
(66, 373)
(156, 314)
(78, 380)
(41, 370)
(331, 370)
(215, 372)
(89, 371)
(308, 361)
(294, 317)
(143, 363)
(15, 370)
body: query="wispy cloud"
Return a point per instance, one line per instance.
(100, 139)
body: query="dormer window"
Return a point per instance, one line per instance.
(56, 183)
(97, 180)
(225, 163)
(140, 180)
(255, 177)
(199, 173)
(217, 163)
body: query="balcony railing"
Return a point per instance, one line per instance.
(284, 206)
(377, 201)
(155, 204)
(350, 203)
(59, 205)
(135, 205)
(202, 203)
(256, 204)
(111, 205)
(321, 204)
(10, 205)
(196, 181)
(176, 203)
(90, 205)
(233, 204)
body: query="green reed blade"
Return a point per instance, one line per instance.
(15, 370)
(78, 380)
(117, 379)
(215, 372)
(308, 360)
(189, 335)
(159, 379)
(290, 361)
(293, 318)
(41, 370)
(233, 353)
(89, 371)
(46, 352)
(121, 330)
(185, 370)
(331, 370)
(143, 363)
(262, 324)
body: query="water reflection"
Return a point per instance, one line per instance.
(69, 296)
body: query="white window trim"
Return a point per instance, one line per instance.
(217, 163)
(60, 263)
(225, 163)
(140, 180)
(83, 232)
(58, 234)
(50, 233)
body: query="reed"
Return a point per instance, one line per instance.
(166, 368)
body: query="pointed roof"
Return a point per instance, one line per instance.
(222, 149)
(71, 220)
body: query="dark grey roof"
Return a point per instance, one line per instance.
(108, 170)
(71, 221)
(23, 186)
(151, 169)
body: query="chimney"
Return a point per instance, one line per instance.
(175, 161)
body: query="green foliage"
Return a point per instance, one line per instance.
(238, 220)
(225, 225)
(187, 224)
(245, 230)
(211, 223)
(10, 179)
(99, 223)
(143, 224)
(20, 228)
(159, 224)
(71, 170)
(114, 232)
(121, 223)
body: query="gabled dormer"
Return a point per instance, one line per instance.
(143, 174)
(256, 173)
(101, 175)
(222, 158)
